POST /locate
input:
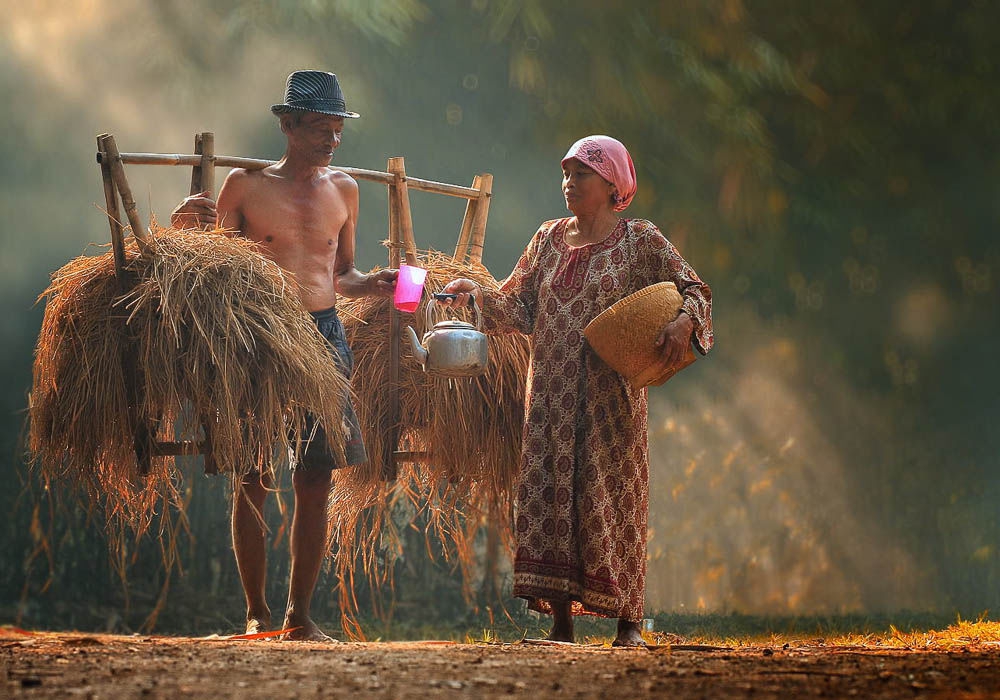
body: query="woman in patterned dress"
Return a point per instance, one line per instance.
(582, 490)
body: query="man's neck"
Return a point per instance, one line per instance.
(298, 169)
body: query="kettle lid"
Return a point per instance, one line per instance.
(453, 324)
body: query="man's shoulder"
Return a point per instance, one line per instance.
(239, 177)
(344, 183)
(340, 177)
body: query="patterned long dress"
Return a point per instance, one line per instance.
(582, 491)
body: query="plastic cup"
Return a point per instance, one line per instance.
(409, 287)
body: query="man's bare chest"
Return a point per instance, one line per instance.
(286, 213)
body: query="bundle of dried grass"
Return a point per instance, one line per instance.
(210, 334)
(471, 427)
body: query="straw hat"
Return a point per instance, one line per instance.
(624, 334)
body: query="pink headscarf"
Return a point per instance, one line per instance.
(609, 158)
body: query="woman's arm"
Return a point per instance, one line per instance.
(512, 307)
(657, 260)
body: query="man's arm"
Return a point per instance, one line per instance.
(350, 281)
(231, 198)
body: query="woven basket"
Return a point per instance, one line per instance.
(624, 334)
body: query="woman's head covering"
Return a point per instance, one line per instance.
(610, 159)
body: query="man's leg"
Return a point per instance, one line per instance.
(308, 544)
(250, 549)
(562, 621)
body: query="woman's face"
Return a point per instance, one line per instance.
(585, 191)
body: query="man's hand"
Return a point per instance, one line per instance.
(675, 340)
(383, 282)
(196, 211)
(462, 288)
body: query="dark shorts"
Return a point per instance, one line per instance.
(317, 454)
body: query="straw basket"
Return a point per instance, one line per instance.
(624, 335)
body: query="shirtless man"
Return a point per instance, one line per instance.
(303, 213)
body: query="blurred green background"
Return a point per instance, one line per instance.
(831, 169)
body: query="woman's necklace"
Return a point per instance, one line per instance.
(575, 238)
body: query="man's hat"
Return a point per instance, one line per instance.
(314, 91)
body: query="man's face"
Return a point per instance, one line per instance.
(315, 136)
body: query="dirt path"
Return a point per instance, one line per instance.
(49, 665)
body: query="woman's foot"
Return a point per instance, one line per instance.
(629, 634)
(562, 622)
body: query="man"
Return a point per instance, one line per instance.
(303, 214)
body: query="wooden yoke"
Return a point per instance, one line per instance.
(203, 174)
(203, 180)
(115, 186)
(203, 163)
(111, 202)
(473, 231)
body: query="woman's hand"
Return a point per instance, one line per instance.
(675, 340)
(196, 211)
(462, 288)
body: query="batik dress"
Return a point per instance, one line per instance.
(582, 490)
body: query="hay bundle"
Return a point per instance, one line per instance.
(212, 334)
(471, 427)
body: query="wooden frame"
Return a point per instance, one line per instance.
(401, 243)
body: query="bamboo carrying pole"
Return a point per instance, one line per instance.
(202, 174)
(125, 192)
(114, 220)
(208, 162)
(115, 185)
(462, 247)
(401, 233)
(202, 180)
(389, 468)
(196, 170)
(402, 207)
(415, 183)
(478, 234)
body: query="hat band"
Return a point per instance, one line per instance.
(336, 105)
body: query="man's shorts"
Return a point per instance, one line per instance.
(317, 454)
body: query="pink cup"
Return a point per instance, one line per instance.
(409, 287)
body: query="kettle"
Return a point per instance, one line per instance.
(451, 348)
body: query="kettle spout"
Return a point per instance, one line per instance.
(419, 351)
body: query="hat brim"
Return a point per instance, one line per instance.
(286, 108)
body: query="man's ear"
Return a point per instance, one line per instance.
(285, 123)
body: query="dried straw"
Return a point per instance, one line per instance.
(211, 334)
(470, 426)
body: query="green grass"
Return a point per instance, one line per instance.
(714, 628)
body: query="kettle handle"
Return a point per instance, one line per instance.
(429, 310)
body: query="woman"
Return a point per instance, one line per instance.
(582, 492)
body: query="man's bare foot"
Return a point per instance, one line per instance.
(257, 625)
(629, 635)
(305, 631)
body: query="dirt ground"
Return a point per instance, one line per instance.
(50, 665)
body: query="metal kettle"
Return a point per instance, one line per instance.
(451, 348)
